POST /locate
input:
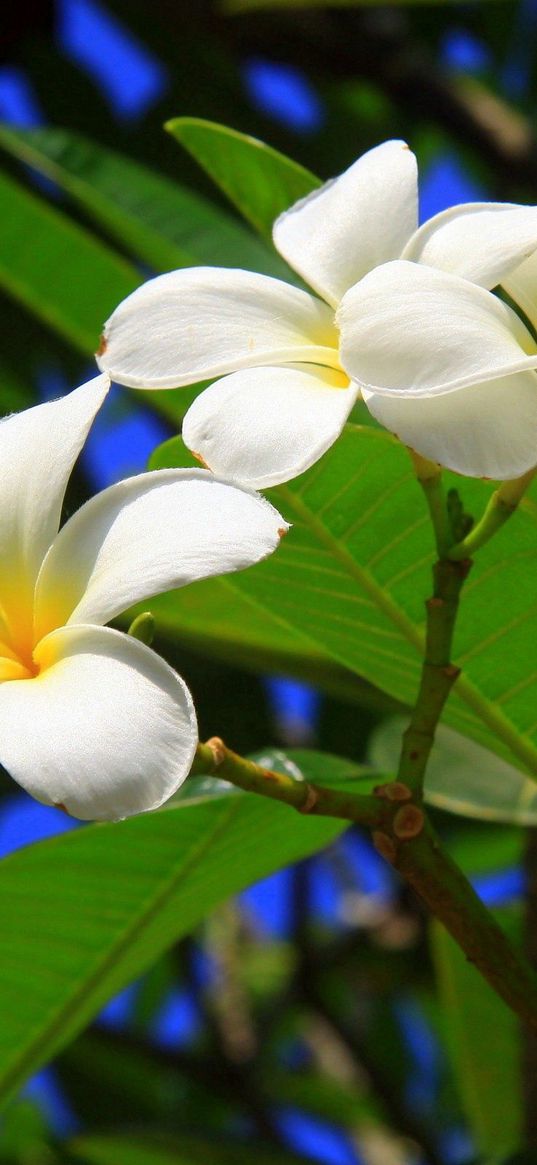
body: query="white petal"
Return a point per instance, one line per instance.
(149, 534)
(481, 241)
(521, 284)
(267, 425)
(38, 448)
(487, 430)
(412, 329)
(364, 217)
(201, 322)
(105, 730)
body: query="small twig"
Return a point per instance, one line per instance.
(216, 759)
(502, 505)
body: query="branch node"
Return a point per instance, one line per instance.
(394, 791)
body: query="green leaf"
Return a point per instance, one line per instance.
(65, 277)
(483, 1038)
(161, 222)
(258, 180)
(152, 1150)
(100, 904)
(353, 572)
(463, 777)
(56, 269)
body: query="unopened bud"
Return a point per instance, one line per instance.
(143, 628)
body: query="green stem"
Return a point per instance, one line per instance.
(438, 674)
(216, 759)
(501, 506)
(429, 476)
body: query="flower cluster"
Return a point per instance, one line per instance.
(405, 316)
(420, 321)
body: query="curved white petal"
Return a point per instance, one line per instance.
(481, 241)
(201, 322)
(487, 430)
(267, 425)
(414, 330)
(351, 224)
(149, 534)
(38, 448)
(105, 730)
(521, 284)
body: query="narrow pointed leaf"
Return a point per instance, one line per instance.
(163, 223)
(257, 179)
(67, 278)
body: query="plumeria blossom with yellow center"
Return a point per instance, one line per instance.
(289, 361)
(90, 718)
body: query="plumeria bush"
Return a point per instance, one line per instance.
(379, 379)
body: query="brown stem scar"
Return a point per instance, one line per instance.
(394, 791)
(408, 822)
(384, 845)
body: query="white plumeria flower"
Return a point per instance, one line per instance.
(447, 366)
(287, 386)
(90, 718)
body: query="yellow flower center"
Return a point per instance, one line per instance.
(16, 654)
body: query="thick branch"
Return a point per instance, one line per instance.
(441, 885)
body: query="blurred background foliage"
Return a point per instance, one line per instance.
(312, 1018)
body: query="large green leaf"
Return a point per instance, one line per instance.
(259, 180)
(354, 571)
(84, 913)
(161, 222)
(56, 269)
(483, 1039)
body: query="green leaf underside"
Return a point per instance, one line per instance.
(257, 179)
(353, 573)
(160, 221)
(101, 903)
(463, 777)
(483, 1040)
